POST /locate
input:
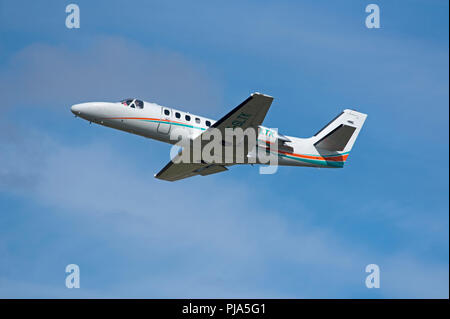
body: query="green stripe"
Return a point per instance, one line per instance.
(329, 155)
(179, 124)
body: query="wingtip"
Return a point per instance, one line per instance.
(354, 112)
(260, 94)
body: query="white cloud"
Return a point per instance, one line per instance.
(217, 241)
(108, 70)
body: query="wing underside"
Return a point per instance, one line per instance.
(173, 172)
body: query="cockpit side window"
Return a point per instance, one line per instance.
(139, 104)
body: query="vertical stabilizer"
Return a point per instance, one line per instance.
(340, 134)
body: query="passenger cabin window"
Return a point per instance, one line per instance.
(177, 115)
(197, 120)
(208, 123)
(167, 112)
(188, 118)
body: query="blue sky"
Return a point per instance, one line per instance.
(75, 193)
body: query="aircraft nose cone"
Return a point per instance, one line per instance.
(76, 109)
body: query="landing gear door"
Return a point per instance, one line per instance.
(164, 125)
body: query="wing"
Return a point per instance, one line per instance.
(173, 172)
(250, 113)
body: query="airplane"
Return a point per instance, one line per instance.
(328, 148)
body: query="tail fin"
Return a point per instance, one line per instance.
(340, 134)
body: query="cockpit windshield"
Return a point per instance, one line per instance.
(133, 103)
(126, 102)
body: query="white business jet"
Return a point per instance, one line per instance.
(329, 147)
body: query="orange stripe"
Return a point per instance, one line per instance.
(130, 118)
(339, 158)
(144, 118)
